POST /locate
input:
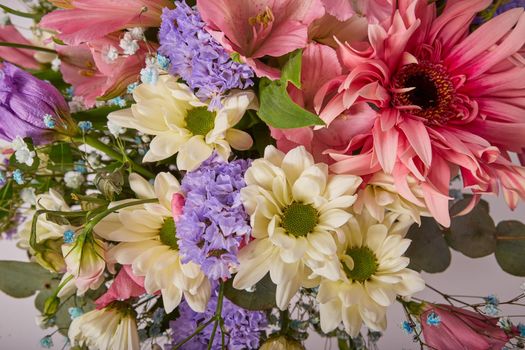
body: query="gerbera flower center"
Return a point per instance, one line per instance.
(168, 234)
(364, 261)
(200, 121)
(299, 219)
(430, 89)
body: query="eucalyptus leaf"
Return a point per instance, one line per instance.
(510, 247)
(429, 250)
(22, 279)
(473, 234)
(262, 298)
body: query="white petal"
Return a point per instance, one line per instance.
(141, 186)
(339, 185)
(295, 162)
(323, 241)
(193, 153)
(375, 236)
(255, 260)
(171, 297)
(334, 218)
(286, 290)
(166, 144)
(239, 139)
(165, 186)
(330, 314)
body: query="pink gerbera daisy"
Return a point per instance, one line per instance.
(447, 101)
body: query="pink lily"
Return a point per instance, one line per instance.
(98, 18)
(126, 285)
(375, 11)
(259, 28)
(21, 57)
(93, 76)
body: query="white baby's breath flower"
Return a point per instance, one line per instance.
(183, 125)
(137, 33)
(55, 64)
(129, 44)
(111, 54)
(115, 129)
(22, 152)
(28, 195)
(296, 209)
(73, 179)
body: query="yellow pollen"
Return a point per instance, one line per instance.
(264, 18)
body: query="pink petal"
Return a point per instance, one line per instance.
(385, 146)
(20, 57)
(417, 136)
(177, 204)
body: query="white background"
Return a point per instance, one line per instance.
(18, 330)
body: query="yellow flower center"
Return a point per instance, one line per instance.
(168, 234)
(299, 219)
(365, 264)
(264, 18)
(200, 121)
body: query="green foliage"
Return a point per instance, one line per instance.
(262, 298)
(61, 157)
(276, 107)
(429, 250)
(473, 234)
(510, 247)
(22, 279)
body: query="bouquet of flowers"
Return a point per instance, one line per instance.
(241, 174)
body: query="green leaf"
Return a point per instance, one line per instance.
(429, 250)
(278, 110)
(510, 247)
(22, 279)
(473, 234)
(55, 78)
(262, 298)
(61, 157)
(292, 69)
(98, 116)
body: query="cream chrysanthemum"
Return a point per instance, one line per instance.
(295, 210)
(148, 243)
(108, 328)
(183, 125)
(385, 204)
(373, 273)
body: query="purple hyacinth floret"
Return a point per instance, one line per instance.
(197, 57)
(243, 327)
(214, 222)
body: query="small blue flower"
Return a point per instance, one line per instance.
(75, 312)
(407, 327)
(70, 92)
(69, 236)
(433, 319)
(49, 121)
(118, 101)
(18, 176)
(505, 323)
(163, 62)
(80, 167)
(490, 310)
(46, 342)
(149, 75)
(132, 87)
(158, 316)
(85, 125)
(521, 328)
(492, 299)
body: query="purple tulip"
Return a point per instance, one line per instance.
(24, 101)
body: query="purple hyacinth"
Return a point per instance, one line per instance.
(197, 57)
(243, 327)
(214, 222)
(24, 101)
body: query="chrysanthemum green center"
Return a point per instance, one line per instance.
(168, 234)
(431, 90)
(200, 121)
(299, 219)
(365, 264)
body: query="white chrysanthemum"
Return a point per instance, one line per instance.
(373, 273)
(149, 244)
(108, 328)
(183, 125)
(384, 203)
(295, 210)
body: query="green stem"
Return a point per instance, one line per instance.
(32, 238)
(218, 315)
(28, 47)
(19, 13)
(110, 152)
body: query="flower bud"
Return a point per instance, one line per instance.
(26, 102)
(281, 343)
(50, 257)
